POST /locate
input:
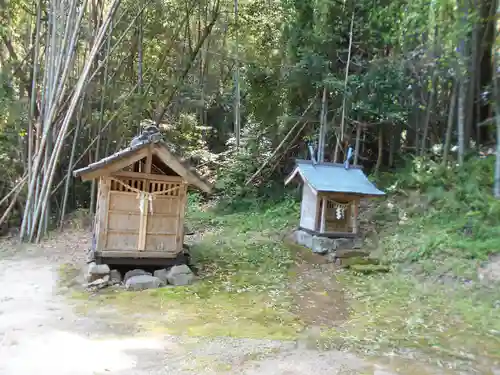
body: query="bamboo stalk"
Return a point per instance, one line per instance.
(70, 167)
(281, 143)
(93, 197)
(120, 39)
(380, 149)
(496, 91)
(31, 116)
(427, 120)
(237, 116)
(9, 208)
(322, 129)
(356, 147)
(96, 22)
(342, 120)
(290, 146)
(48, 178)
(62, 87)
(94, 140)
(16, 187)
(449, 126)
(42, 154)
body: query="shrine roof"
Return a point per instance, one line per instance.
(334, 178)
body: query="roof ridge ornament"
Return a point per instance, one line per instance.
(311, 151)
(150, 133)
(348, 158)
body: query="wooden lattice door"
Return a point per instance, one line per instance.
(145, 215)
(339, 216)
(123, 214)
(165, 216)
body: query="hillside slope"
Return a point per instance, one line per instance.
(436, 229)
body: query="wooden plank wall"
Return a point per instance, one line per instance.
(122, 228)
(308, 207)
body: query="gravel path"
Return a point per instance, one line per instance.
(41, 334)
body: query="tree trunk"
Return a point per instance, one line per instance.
(449, 127)
(380, 149)
(496, 93)
(430, 106)
(462, 90)
(356, 147)
(192, 56)
(322, 129)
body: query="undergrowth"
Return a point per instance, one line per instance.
(435, 222)
(243, 269)
(399, 311)
(435, 228)
(446, 215)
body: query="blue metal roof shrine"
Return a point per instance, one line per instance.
(334, 178)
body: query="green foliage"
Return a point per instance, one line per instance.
(233, 174)
(242, 290)
(442, 214)
(288, 51)
(246, 243)
(455, 323)
(380, 94)
(12, 128)
(269, 217)
(6, 96)
(243, 250)
(237, 167)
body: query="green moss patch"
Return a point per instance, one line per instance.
(394, 311)
(242, 291)
(68, 275)
(369, 268)
(205, 310)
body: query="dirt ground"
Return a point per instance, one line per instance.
(41, 333)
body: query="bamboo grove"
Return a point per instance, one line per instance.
(239, 87)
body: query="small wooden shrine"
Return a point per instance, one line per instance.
(330, 197)
(141, 203)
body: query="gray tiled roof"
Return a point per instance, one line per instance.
(109, 159)
(330, 177)
(131, 150)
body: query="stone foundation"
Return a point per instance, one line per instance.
(100, 276)
(343, 252)
(324, 245)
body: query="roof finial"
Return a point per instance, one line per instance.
(149, 133)
(311, 151)
(348, 158)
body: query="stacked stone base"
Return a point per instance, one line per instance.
(325, 245)
(100, 276)
(344, 252)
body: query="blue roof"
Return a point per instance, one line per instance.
(331, 177)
